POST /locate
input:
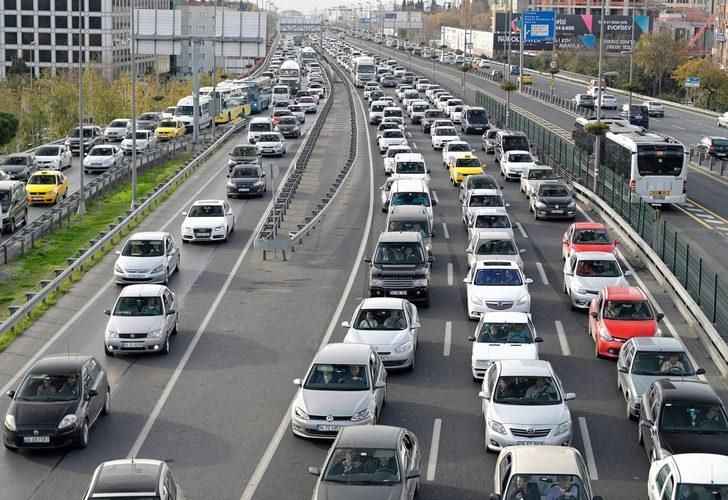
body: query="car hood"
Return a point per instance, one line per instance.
(498, 292)
(597, 284)
(199, 222)
(40, 188)
(135, 324)
(116, 129)
(141, 264)
(483, 351)
(47, 158)
(243, 180)
(337, 403)
(606, 247)
(641, 383)
(268, 144)
(530, 415)
(336, 491)
(98, 158)
(287, 126)
(382, 339)
(555, 200)
(629, 329)
(693, 442)
(31, 413)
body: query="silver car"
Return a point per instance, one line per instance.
(143, 320)
(150, 257)
(345, 385)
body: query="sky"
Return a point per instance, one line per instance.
(308, 6)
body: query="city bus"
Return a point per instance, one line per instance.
(257, 93)
(585, 141)
(228, 106)
(290, 74)
(655, 166)
(184, 111)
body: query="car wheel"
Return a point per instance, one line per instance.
(167, 346)
(166, 276)
(108, 351)
(12, 449)
(107, 403)
(82, 440)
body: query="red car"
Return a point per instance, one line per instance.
(586, 237)
(616, 315)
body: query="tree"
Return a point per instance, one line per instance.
(713, 80)
(8, 127)
(18, 68)
(658, 54)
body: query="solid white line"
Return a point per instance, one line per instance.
(281, 431)
(588, 451)
(563, 341)
(542, 273)
(445, 232)
(448, 339)
(434, 450)
(434, 196)
(522, 230)
(449, 274)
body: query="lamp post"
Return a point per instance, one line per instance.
(81, 187)
(597, 137)
(133, 108)
(631, 65)
(507, 73)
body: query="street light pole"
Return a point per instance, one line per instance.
(631, 66)
(597, 138)
(521, 35)
(133, 110)
(508, 62)
(81, 187)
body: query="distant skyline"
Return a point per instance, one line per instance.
(322, 5)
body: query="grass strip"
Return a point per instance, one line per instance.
(51, 252)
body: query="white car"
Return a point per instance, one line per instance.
(502, 335)
(478, 199)
(534, 176)
(587, 273)
(298, 111)
(410, 166)
(693, 476)
(489, 220)
(443, 135)
(515, 163)
(655, 108)
(389, 157)
(102, 158)
(495, 245)
(451, 104)
(147, 257)
(391, 137)
(345, 385)
(440, 122)
(496, 286)
(53, 157)
(145, 140)
(271, 144)
(208, 220)
(308, 103)
(723, 120)
(524, 403)
(389, 326)
(608, 101)
(451, 151)
(117, 129)
(456, 114)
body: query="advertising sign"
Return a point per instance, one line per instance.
(540, 25)
(692, 82)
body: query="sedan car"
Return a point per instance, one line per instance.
(345, 386)
(586, 237)
(655, 108)
(271, 144)
(453, 150)
(102, 158)
(389, 326)
(587, 273)
(443, 135)
(461, 168)
(148, 257)
(289, 127)
(390, 155)
(502, 335)
(246, 180)
(523, 403)
(145, 140)
(391, 137)
(489, 140)
(493, 245)
(46, 187)
(208, 220)
(56, 403)
(552, 200)
(374, 462)
(53, 157)
(117, 129)
(496, 286)
(18, 166)
(308, 103)
(514, 163)
(143, 320)
(170, 129)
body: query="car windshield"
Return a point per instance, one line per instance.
(138, 306)
(550, 486)
(419, 107)
(540, 173)
(477, 116)
(591, 237)
(445, 131)
(524, 390)
(686, 417)
(48, 151)
(239, 151)
(495, 333)
(245, 172)
(87, 132)
(119, 124)
(458, 146)
(389, 134)
(101, 151)
(492, 222)
(485, 200)
(420, 226)
(206, 211)
(15, 160)
(295, 108)
(702, 491)
(553, 192)
(399, 253)
(269, 138)
(143, 248)
(432, 115)
(331, 377)
(168, 124)
(662, 363)
(467, 163)
(520, 158)
(497, 277)
(630, 310)
(496, 247)
(45, 387)
(288, 120)
(380, 319)
(410, 167)
(42, 179)
(148, 116)
(392, 113)
(515, 142)
(363, 466)
(416, 198)
(598, 269)
(481, 182)
(259, 127)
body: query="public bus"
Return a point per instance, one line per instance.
(227, 104)
(306, 55)
(655, 166)
(257, 93)
(184, 111)
(585, 141)
(290, 74)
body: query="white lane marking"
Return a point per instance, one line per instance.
(434, 450)
(449, 274)
(434, 197)
(281, 431)
(588, 450)
(414, 145)
(448, 339)
(73, 319)
(563, 341)
(522, 230)
(445, 232)
(542, 273)
(409, 134)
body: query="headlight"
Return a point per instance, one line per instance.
(186, 230)
(475, 300)
(581, 291)
(524, 299)
(361, 415)
(497, 427)
(572, 204)
(407, 346)
(540, 205)
(10, 422)
(259, 183)
(376, 282)
(219, 228)
(229, 184)
(604, 334)
(118, 268)
(67, 421)
(155, 334)
(301, 413)
(420, 282)
(112, 334)
(157, 269)
(563, 428)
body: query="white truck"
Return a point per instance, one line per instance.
(364, 69)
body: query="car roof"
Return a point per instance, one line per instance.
(61, 363)
(504, 317)
(701, 468)
(409, 156)
(340, 353)
(142, 290)
(489, 210)
(382, 303)
(517, 152)
(45, 172)
(408, 211)
(496, 264)
(479, 191)
(545, 460)
(693, 390)
(208, 202)
(399, 236)
(149, 235)
(494, 235)
(410, 185)
(369, 436)
(657, 344)
(624, 293)
(596, 256)
(127, 476)
(589, 225)
(525, 367)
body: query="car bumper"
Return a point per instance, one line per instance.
(288, 134)
(396, 361)
(166, 136)
(479, 368)
(609, 348)
(204, 236)
(416, 294)
(93, 169)
(497, 441)
(42, 198)
(271, 151)
(45, 438)
(321, 429)
(245, 190)
(475, 311)
(132, 278)
(581, 301)
(512, 174)
(135, 346)
(553, 213)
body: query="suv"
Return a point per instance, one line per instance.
(400, 267)
(92, 136)
(13, 205)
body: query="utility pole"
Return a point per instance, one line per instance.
(133, 109)
(631, 66)
(216, 108)
(521, 35)
(508, 62)
(195, 93)
(82, 190)
(598, 137)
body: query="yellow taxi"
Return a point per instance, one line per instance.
(46, 186)
(170, 129)
(460, 168)
(526, 79)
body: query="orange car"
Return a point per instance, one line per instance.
(586, 237)
(616, 315)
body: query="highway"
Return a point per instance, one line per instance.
(217, 407)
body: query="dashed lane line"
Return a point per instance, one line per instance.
(447, 343)
(434, 449)
(588, 450)
(563, 341)
(542, 273)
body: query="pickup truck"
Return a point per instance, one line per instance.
(535, 176)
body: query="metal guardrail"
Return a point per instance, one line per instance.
(106, 240)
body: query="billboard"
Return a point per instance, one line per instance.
(404, 20)
(539, 25)
(577, 32)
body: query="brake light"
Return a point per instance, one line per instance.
(632, 185)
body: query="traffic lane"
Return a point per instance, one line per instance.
(204, 268)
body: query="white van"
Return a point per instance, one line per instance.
(280, 93)
(410, 166)
(258, 126)
(416, 192)
(376, 112)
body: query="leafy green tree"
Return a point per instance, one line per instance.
(8, 127)
(658, 54)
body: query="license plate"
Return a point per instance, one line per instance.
(36, 439)
(557, 211)
(132, 345)
(659, 194)
(398, 292)
(529, 443)
(328, 428)
(243, 190)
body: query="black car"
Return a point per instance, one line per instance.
(56, 403)
(246, 180)
(18, 166)
(637, 115)
(553, 200)
(134, 478)
(388, 81)
(289, 127)
(682, 416)
(716, 147)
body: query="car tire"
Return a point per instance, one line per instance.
(167, 346)
(166, 276)
(11, 449)
(106, 409)
(82, 439)
(108, 352)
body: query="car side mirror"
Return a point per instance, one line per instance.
(538, 340)
(483, 395)
(628, 273)
(184, 213)
(570, 396)
(10, 394)
(171, 311)
(529, 281)
(314, 471)
(92, 393)
(368, 260)
(345, 324)
(622, 369)
(594, 314)
(471, 338)
(700, 371)
(297, 381)
(660, 316)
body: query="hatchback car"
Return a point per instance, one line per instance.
(143, 320)
(170, 129)
(524, 403)
(453, 150)
(246, 180)
(496, 286)
(46, 187)
(443, 135)
(716, 147)
(289, 127)
(586, 237)
(345, 385)
(552, 200)
(587, 273)
(117, 129)
(488, 220)
(145, 140)
(56, 403)
(53, 156)
(243, 154)
(391, 137)
(102, 158)
(271, 144)
(208, 220)
(493, 245)
(18, 167)
(514, 163)
(134, 478)
(148, 257)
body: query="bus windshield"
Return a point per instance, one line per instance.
(660, 160)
